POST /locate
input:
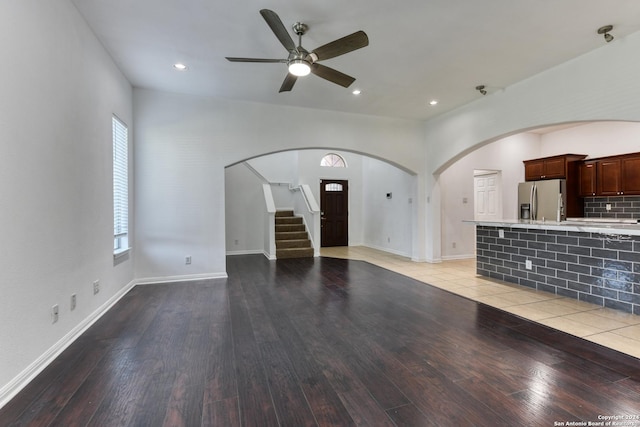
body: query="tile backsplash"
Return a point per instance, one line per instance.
(622, 207)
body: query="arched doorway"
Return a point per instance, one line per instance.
(594, 139)
(374, 220)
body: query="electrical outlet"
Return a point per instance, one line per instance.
(528, 264)
(388, 239)
(236, 241)
(96, 287)
(501, 234)
(73, 302)
(187, 259)
(453, 245)
(54, 313)
(607, 207)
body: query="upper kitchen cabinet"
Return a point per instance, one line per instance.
(631, 173)
(613, 176)
(555, 167)
(587, 179)
(608, 177)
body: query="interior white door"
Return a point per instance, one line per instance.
(488, 196)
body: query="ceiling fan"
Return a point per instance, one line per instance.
(301, 62)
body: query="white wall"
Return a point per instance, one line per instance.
(388, 223)
(593, 139)
(277, 167)
(183, 144)
(245, 210)
(59, 91)
(456, 182)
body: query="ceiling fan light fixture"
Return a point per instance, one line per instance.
(300, 61)
(299, 67)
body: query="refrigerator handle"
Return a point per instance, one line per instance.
(532, 214)
(534, 202)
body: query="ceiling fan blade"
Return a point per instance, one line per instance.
(284, 61)
(288, 83)
(278, 28)
(332, 75)
(341, 46)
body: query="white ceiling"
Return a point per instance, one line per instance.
(418, 49)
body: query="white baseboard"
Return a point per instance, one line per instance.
(10, 390)
(247, 252)
(180, 278)
(455, 257)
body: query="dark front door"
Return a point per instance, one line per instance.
(334, 202)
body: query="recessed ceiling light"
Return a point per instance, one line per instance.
(433, 102)
(180, 67)
(357, 92)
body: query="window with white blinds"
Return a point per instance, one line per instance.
(120, 186)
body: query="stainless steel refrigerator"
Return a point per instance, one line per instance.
(542, 200)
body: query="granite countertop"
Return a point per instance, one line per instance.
(572, 224)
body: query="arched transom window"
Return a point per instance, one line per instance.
(333, 160)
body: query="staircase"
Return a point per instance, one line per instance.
(292, 240)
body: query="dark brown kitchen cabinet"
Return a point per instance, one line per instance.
(554, 167)
(613, 176)
(630, 170)
(587, 179)
(533, 170)
(608, 177)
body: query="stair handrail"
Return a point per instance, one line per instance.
(256, 173)
(307, 195)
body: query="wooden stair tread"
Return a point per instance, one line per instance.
(294, 253)
(290, 227)
(293, 243)
(291, 235)
(289, 220)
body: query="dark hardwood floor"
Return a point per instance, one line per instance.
(331, 342)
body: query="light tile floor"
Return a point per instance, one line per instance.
(607, 327)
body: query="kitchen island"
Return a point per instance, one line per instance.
(596, 262)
